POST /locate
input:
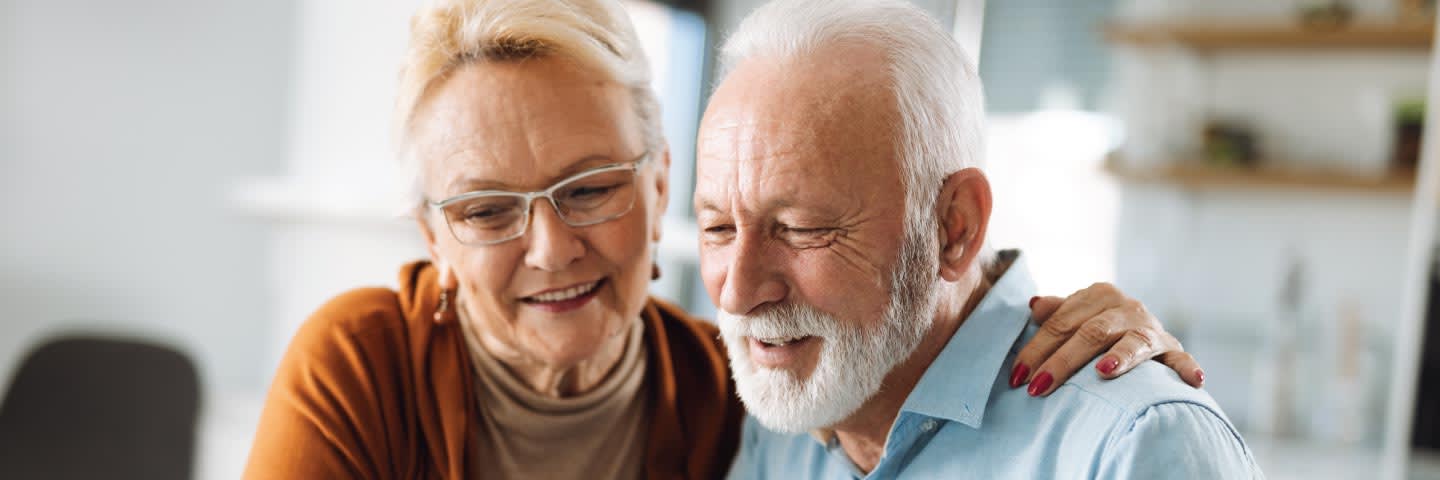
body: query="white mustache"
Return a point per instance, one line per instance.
(785, 321)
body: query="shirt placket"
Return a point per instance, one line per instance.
(911, 433)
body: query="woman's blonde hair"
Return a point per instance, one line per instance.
(446, 34)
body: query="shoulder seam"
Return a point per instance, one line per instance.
(1133, 420)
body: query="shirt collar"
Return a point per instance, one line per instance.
(957, 385)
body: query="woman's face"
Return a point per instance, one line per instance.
(522, 126)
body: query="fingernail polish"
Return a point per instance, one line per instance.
(1200, 375)
(1032, 302)
(1108, 365)
(1040, 384)
(1019, 375)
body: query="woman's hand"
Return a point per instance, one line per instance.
(1074, 330)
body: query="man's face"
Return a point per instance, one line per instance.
(801, 211)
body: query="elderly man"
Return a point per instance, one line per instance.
(869, 330)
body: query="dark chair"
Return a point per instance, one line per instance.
(87, 408)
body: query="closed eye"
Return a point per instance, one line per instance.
(590, 192)
(718, 233)
(809, 237)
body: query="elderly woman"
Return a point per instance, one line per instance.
(527, 346)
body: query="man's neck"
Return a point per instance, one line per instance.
(864, 433)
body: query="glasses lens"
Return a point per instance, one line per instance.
(596, 197)
(486, 219)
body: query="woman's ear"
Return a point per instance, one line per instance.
(964, 212)
(662, 193)
(421, 221)
(447, 278)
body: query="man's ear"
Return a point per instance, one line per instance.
(662, 192)
(964, 212)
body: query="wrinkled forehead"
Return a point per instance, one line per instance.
(825, 119)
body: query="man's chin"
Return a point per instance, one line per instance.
(785, 404)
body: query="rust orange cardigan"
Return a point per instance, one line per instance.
(372, 387)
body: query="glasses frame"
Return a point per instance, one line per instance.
(528, 199)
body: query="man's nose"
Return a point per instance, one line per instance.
(553, 245)
(752, 279)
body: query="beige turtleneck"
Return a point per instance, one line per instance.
(597, 434)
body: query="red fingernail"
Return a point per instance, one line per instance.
(1108, 365)
(1040, 384)
(1032, 302)
(1200, 375)
(1018, 377)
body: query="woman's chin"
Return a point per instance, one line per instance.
(566, 347)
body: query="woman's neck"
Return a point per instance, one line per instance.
(562, 381)
(555, 381)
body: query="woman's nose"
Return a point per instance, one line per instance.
(553, 245)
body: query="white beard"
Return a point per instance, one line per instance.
(853, 361)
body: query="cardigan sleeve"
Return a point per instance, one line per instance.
(324, 416)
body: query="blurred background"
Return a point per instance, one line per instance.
(183, 182)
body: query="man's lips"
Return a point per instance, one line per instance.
(780, 341)
(781, 352)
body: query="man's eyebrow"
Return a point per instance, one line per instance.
(706, 205)
(779, 203)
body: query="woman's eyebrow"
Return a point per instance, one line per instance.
(473, 184)
(584, 163)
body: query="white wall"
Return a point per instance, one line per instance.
(123, 123)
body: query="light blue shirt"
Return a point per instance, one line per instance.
(963, 420)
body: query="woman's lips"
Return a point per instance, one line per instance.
(564, 301)
(790, 355)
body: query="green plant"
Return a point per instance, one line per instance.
(1410, 112)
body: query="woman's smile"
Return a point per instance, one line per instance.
(565, 299)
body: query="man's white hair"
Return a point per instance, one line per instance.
(448, 34)
(940, 99)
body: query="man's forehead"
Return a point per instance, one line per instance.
(764, 162)
(825, 122)
(754, 132)
(823, 98)
(798, 88)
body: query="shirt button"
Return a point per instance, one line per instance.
(928, 426)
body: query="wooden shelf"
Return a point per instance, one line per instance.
(1214, 178)
(1235, 36)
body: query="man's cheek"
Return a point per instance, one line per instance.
(712, 273)
(848, 259)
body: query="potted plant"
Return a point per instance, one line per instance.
(1409, 126)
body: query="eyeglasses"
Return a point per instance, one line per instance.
(594, 196)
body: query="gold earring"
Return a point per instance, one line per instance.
(444, 305)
